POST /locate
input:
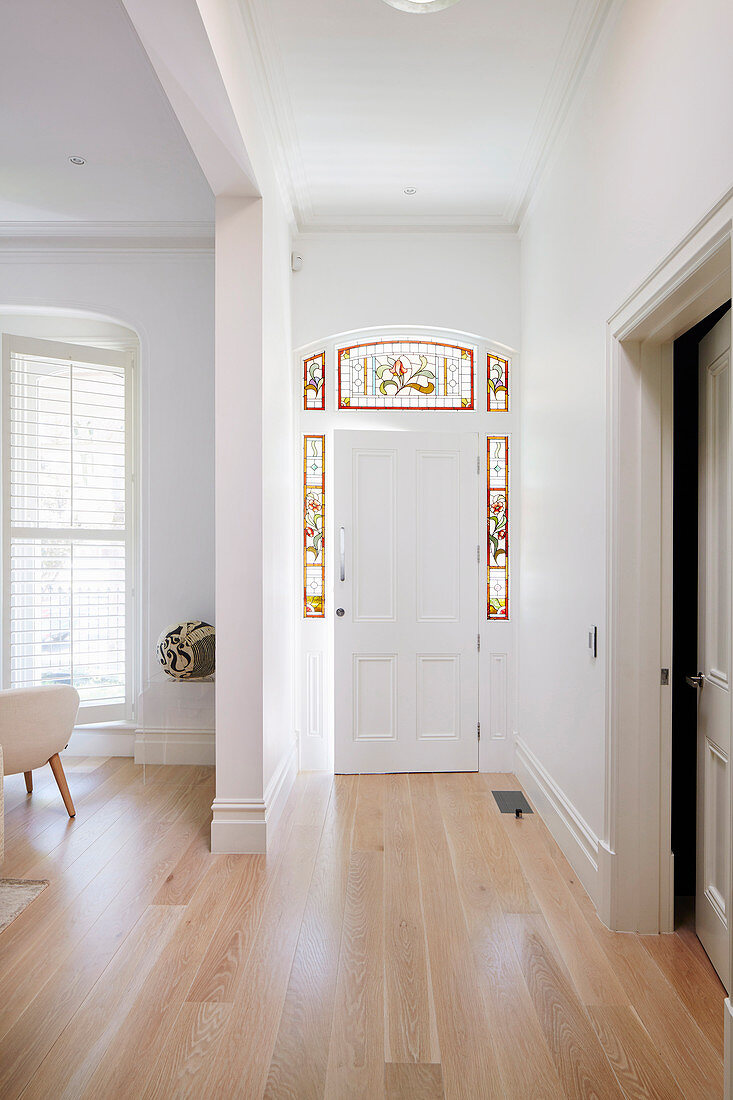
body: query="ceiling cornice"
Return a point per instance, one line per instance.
(584, 30)
(460, 223)
(276, 109)
(169, 230)
(182, 237)
(586, 24)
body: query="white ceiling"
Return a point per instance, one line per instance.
(74, 79)
(462, 104)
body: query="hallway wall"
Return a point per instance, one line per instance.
(466, 281)
(645, 154)
(167, 298)
(350, 281)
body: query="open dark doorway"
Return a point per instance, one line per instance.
(685, 613)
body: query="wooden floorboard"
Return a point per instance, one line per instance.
(401, 939)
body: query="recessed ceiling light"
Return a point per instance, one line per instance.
(77, 160)
(409, 190)
(421, 7)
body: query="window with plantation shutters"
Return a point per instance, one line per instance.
(66, 522)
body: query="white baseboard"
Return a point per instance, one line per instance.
(101, 741)
(241, 825)
(577, 840)
(159, 746)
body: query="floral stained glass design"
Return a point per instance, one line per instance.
(314, 374)
(314, 506)
(497, 371)
(405, 374)
(497, 526)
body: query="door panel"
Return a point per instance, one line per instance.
(405, 648)
(374, 535)
(712, 907)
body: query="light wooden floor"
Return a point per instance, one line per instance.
(401, 939)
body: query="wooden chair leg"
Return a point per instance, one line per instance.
(28, 782)
(58, 774)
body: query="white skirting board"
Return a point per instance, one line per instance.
(577, 840)
(160, 746)
(241, 825)
(112, 740)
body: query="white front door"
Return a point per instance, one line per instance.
(405, 604)
(712, 907)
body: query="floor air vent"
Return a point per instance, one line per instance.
(511, 801)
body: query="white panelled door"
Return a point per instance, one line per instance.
(712, 907)
(406, 601)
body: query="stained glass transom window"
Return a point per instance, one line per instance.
(497, 527)
(314, 530)
(406, 374)
(498, 381)
(314, 373)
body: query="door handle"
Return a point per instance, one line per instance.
(342, 554)
(695, 681)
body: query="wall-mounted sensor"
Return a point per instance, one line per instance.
(296, 261)
(593, 641)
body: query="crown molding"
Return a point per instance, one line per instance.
(398, 223)
(89, 229)
(579, 45)
(276, 109)
(180, 237)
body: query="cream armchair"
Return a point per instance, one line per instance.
(35, 725)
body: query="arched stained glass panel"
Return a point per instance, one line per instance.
(406, 374)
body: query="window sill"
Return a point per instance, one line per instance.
(105, 727)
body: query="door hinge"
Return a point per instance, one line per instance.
(478, 730)
(478, 642)
(478, 464)
(478, 554)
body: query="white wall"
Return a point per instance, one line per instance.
(262, 753)
(450, 280)
(645, 153)
(208, 65)
(468, 282)
(167, 299)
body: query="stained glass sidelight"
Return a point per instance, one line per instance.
(497, 526)
(314, 374)
(405, 374)
(497, 371)
(314, 507)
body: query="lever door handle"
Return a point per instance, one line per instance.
(342, 554)
(695, 681)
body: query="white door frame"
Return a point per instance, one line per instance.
(313, 651)
(635, 862)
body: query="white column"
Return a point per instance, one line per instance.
(239, 810)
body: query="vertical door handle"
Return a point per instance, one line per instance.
(342, 554)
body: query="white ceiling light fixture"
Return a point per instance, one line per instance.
(409, 190)
(421, 7)
(77, 160)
